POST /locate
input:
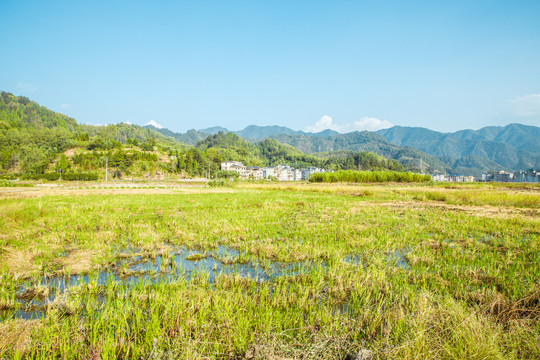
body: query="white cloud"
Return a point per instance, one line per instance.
(65, 106)
(127, 122)
(154, 124)
(528, 105)
(26, 87)
(371, 124)
(324, 123)
(365, 123)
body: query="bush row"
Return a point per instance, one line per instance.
(368, 176)
(53, 176)
(80, 176)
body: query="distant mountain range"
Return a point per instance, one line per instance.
(468, 152)
(252, 132)
(326, 142)
(511, 147)
(255, 132)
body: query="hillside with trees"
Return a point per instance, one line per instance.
(366, 141)
(36, 142)
(511, 147)
(466, 152)
(31, 135)
(326, 144)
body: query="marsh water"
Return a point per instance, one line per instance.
(167, 266)
(134, 267)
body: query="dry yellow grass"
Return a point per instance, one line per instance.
(17, 334)
(483, 211)
(78, 262)
(105, 189)
(19, 263)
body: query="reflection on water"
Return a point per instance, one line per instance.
(168, 266)
(398, 258)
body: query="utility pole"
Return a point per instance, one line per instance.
(422, 165)
(106, 168)
(208, 171)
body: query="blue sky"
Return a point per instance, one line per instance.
(307, 65)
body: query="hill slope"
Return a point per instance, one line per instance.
(35, 141)
(32, 136)
(512, 147)
(256, 132)
(364, 141)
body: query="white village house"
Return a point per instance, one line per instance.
(279, 172)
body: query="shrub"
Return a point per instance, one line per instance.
(80, 176)
(219, 183)
(226, 174)
(51, 176)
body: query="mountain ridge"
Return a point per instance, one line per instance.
(510, 147)
(469, 152)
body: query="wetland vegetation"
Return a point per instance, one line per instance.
(270, 271)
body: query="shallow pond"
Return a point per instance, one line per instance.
(167, 266)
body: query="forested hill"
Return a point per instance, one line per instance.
(272, 152)
(467, 152)
(33, 139)
(365, 141)
(325, 144)
(512, 147)
(252, 133)
(21, 112)
(32, 136)
(37, 141)
(191, 137)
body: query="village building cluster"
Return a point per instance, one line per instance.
(452, 178)
(289, 173)
(278, 172)
(529, 176)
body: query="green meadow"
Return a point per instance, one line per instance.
(269, 271)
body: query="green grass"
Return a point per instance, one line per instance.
(430, 282)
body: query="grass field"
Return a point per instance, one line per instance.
(270, 271)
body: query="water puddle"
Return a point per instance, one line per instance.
(355, 259)
(398, 258)
(134, 266)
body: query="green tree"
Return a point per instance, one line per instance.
(62, 164)
(34, 161)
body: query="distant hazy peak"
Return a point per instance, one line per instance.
(213, 130)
